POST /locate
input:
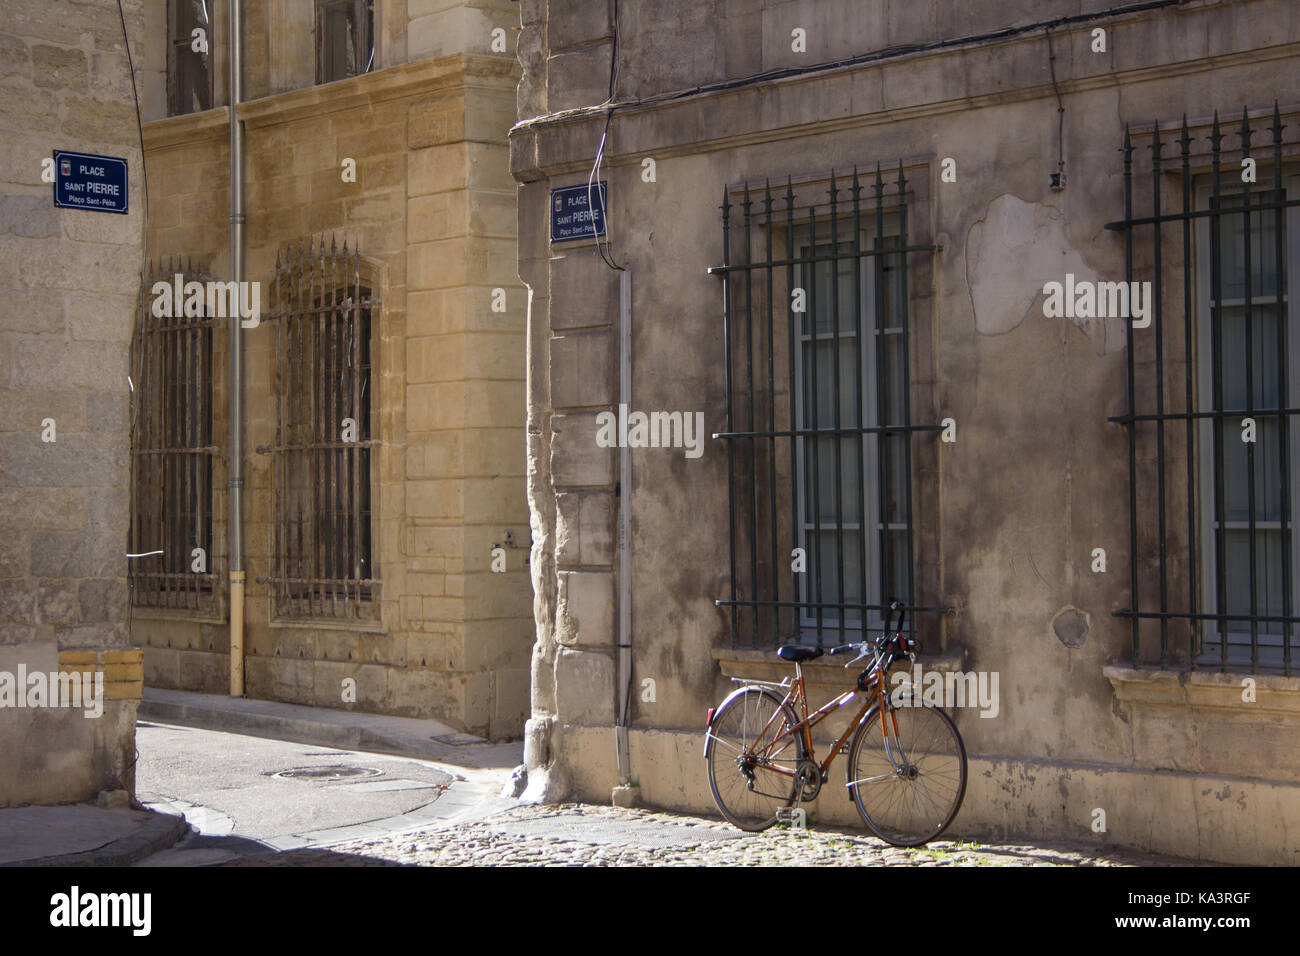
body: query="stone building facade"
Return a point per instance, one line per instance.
(1043, 527)
(389, 575)
(68, 280)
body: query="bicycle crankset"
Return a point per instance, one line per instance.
(809, 779)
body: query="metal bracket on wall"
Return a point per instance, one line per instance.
(510, 543)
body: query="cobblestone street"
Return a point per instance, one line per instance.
(582, 835)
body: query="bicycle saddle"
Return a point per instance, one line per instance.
(797, 652)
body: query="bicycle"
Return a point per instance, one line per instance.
(760, 752)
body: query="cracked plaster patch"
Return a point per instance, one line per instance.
(1013, 249)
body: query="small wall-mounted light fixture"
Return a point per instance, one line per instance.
(1058, 180)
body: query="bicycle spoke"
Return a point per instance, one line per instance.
(908, 786)
(753, 773)
(726, 743)
(883, 776)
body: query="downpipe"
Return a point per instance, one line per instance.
(624, 534)
(236, 458)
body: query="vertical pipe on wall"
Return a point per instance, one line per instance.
(236, 461)
(624, 531)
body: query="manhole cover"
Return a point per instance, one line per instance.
(327, 772)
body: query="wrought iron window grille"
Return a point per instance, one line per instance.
(324, 545)
(172, 452)
(1211, 426)
(819, 415)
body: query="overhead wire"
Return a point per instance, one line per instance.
(139, 125)
(891, 53)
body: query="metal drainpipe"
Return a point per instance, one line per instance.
(624, 532)
(236, 462)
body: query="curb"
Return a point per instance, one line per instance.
(463, 800)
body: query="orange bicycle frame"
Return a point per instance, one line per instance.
(808, 721)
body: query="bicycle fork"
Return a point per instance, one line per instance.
(894, 752)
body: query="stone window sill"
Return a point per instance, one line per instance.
(765, 665)
(1205, 690)
(180, 614)
(326, 624)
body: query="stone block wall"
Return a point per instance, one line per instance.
(68, 285)
(432, 211)
(280, 42)
(1009, 514)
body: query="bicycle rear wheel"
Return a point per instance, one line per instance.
(909, 787)
(751, 768)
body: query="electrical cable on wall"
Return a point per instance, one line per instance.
(135, 93)
(139, 127)
(609, 106)
(1058, 178)
(594, 175)
(892, 53)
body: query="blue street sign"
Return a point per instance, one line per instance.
(86, 181)
(571, 218)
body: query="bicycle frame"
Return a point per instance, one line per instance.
(891, 790)
(877, 696)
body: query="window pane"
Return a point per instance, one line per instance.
(824, 566)
(1249, 382)
(1233, 251)
(898, 577)
(345, 46)
(190, 79)
(1268, 578)
(839, 536)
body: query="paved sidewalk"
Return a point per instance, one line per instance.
(238, 808)
(82, 834)
(476, 770)
(91, 835)
(583, 835)
(327, 727)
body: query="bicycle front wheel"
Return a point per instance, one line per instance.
(752, 760)
(907, 780)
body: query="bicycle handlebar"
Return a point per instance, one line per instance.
(885, 637)
(890, 646)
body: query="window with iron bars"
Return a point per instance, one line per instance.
(345, 44)
(172, 452)
(189, 72)
(324, 544)
(820, 432)
(1213, 439)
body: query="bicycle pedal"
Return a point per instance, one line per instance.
(795, 817)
